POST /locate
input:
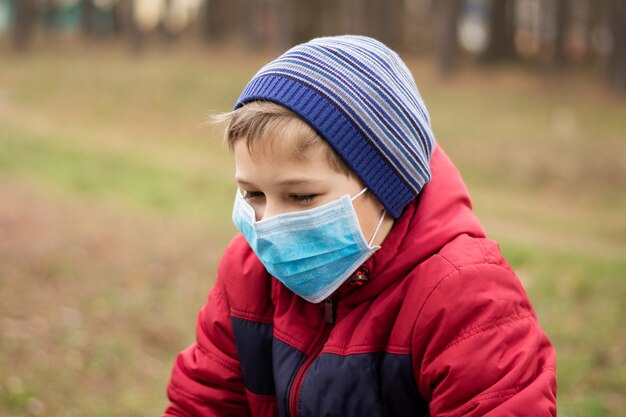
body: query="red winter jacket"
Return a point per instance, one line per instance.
(439, 326)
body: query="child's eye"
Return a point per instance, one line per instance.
(303, 198)
(247, 195)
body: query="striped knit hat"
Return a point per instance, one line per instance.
(362, 99)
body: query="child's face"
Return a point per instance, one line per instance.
(276, 181)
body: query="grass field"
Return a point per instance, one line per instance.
(115, 207)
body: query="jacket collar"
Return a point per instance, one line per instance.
(441, 212)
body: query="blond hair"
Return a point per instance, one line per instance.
(264, 121)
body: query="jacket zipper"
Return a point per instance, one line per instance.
(329, 320)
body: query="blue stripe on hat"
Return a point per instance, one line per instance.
(372, 112)
(379, 87)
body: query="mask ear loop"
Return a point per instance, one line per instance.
(380, 222)
(357, 195)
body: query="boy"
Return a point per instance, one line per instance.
(361, 284)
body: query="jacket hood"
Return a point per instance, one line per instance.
(442, 212)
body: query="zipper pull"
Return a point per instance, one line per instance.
(329, 311)
(360, 277)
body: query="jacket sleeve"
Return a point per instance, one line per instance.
(484, 353)
(206, 378)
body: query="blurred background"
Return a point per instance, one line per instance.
(115, 196)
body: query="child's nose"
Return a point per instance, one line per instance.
(265, 214)
(258, 213)
(269, 210)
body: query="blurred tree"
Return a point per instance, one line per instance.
(24, 23)
(617, 57)
(86, 17)
(331, 19)
(352, 16)
(50, 9)
(164, 31)
(126, 12)
(501, 44)
(447, 17)
(597, 30)
(384, 21)
(255, 14)
(215, 19)
(560, 12)
(286, 23)
(175, 21)
(307, 16)
(418, 26)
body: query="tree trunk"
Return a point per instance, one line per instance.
(331, 23)
(501, 31)
(285, 15)
(165, 31)
(553, 32)
(561, 17)
(86, 17)
(352, 16)
(49, 14)
(384, 21)
(215, 20)
(562, 20)
(24, 23)
(617, 58)
(252, 15)
(307, 16)
(447, 17)
(394, 26)
(129, 25)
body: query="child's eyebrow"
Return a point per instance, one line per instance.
(298, 181)
(242, 181)
(289, 181)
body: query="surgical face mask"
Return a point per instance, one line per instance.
(313, 251)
